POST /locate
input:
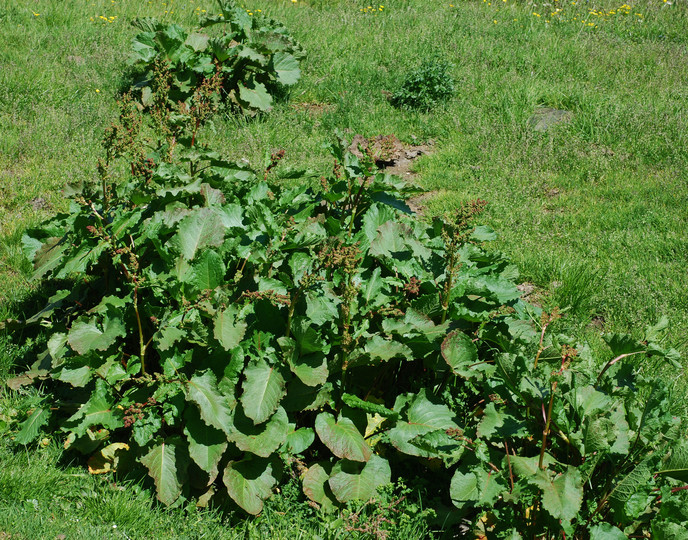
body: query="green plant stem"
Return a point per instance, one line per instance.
(543, 447)
(142, 344)
(449, 284)
(292, 307)
(540, 347)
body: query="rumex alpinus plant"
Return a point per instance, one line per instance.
(255, 56)
(220, 329)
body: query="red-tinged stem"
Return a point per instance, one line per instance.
(540, 348)
(546, 431)
(142, 345)
(614, 361)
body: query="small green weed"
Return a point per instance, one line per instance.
(425, 87)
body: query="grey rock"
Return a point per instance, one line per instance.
(546, 117)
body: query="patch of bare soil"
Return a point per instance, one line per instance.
(314, 108)
(389, 153)
(597, 323)
(531, 293)
(418, 203)
(394, 157)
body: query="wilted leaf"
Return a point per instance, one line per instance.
(107, 459)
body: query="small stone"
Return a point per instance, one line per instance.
(546, 117)
(39, 203)
(78, 60)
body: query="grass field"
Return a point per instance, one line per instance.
(593, 211)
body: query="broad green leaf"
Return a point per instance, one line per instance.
(483, 233)
(212, 406)
(423, 416)
(250, 481)
(385, 349)
(146, 428)
(286, 68)
(206, 444)
(78, 377)
(200, 229)
(461, 354)
(321, 306)
(607, 531)
(372, 288)
(98, 410)
(298, 440)
(342, 437)
(301, 397)
(562, 495)
(441, 445)
(628, 484)
(529, 466)
(308, 337)
(253, 55)
(263, 439)
(390, 239)
(166, 465)
(311, 369)
(300, 264)
(263, 389)
(227, 329)
(499, 422)
(352, 480)
(87, 336)
(255, 95)
(208, 270)
(376, 216)
(476, 488)
(197, 41)
(316, 488)
(677, 465)
(143, 47)
(168, 336)
(587, 400)
(31, 427)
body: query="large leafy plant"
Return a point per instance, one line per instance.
(254, 56)
(219, 328)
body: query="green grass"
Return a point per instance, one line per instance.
(592, 211)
